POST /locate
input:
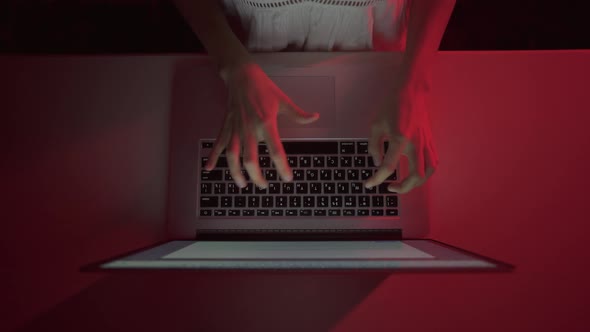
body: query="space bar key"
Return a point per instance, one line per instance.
(311, 147)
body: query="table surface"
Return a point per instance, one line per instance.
(85, 164)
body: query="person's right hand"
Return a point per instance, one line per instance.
(254, 103)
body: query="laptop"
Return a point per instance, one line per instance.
(324, 219)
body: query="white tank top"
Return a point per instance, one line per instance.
(320, 25)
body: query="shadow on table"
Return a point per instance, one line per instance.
(210, 302)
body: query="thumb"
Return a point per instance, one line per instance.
(298, 115)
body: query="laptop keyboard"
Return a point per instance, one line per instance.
(328, 178)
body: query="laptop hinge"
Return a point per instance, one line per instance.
(299, 234)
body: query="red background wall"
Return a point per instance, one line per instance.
(84, 164)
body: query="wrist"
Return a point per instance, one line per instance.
(227, 70)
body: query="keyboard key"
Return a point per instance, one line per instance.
(291, 213)
(264, 161)
(304, 161)
(343, 187)
(325, 174)
(206, 188)
(276, 213)
(329, 188)
(359, 161)
(319, 213)
(377, 201)
(370, 162)
(347, 147)
(288, 187)
(214, 175)
(366, 173)
(301, 188)
(274, 188)
(315, 188)
(322, 201)
(362, 212)
(332, 161)
(295, 201)
(253, 201)
(209, 201)
(206, 213)
(262, 149)
(391, 201)
(372, 190)
(311, 175)
(245, 174)
(292, 161)
(226, 201)
(319, 148)
(247, 213)
(308, 201)
(219, 188)
(364, 201)
(362, 147)
(207, 145)
(227, 175)
(305, 212)
(339, 175)
(298, 175)
(204, 161)
(319, 161)
(219, 213)
(259, 190)
(391, 212)
(248, 189)
(267, 201)
(270, 175)
(262, 213)
(232, 188)
(356, 187)
(376, 212)
(382, 188)
(233, 213)
(350, 201)
(345, 162)
(240, 201)
(281, 201)
(352, 174)
(334, 213)
(348, 212)
(336, 201)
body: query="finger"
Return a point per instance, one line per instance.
(376, 146)
(220, 143)
(389, 165)
(406, 185)
(277, 152)
(233, 160)
(251, 160)
(296, 113)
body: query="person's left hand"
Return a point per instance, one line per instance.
(403, 121)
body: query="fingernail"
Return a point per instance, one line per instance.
(241, 183)
(367, 186)
(289, 177)
(391, 189)
(377, 162)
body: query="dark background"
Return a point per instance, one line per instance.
(154, 26)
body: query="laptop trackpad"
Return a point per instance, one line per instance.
(298, 250)
(312, 94)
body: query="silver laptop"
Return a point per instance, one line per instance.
(324, 218)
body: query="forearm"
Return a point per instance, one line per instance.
(427, 23)
(209, 23)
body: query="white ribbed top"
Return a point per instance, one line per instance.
(321, 25)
